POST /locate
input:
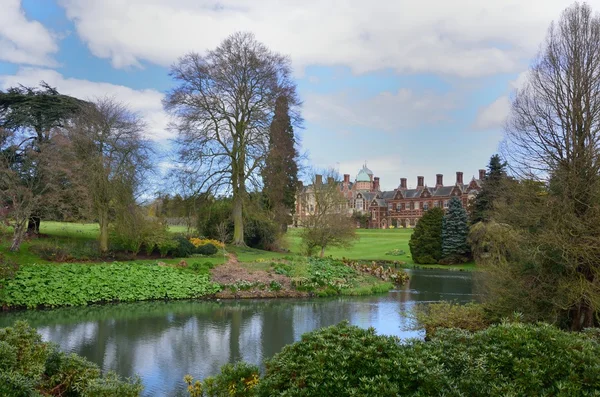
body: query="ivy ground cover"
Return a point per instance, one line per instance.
(76, 284)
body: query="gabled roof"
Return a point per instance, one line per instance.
(412, 193)
(388, 195)
(443, 191)
(378, 202)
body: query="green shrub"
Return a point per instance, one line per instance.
(234, 380)
(503, 360)
(166, 246)
(469, 317)
(53, 251)
(207, 249)
(282, 268)
(396, 252)
(30, 367)
(184, 248)
(260, 233)
(203, 268)
(426, 241)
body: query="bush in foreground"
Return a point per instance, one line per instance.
(30, 367)
(502, 360)
(433, 316)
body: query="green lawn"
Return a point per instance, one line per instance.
(372, 244)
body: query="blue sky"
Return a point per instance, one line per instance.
(412, 88)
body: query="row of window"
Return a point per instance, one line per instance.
(424, 205)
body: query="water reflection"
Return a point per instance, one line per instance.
(162, 341)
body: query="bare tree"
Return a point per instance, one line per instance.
(223, 105)
(108, 139)
(553, 135)
(32, 177)
(327, 223)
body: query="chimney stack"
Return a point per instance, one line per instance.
(376, 184)
(318, 179)
(403, 183)
(459, 178)
(481, 175)
(439, 180)
(346, 178)
(330, 180)
(420, 181)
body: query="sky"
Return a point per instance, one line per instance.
(409, 87)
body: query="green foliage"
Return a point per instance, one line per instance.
(234, 380)
(426, 241)
(280, 174)
(30, 367)
(433, 316)
(503, 360)
(207, 249)
(61, 250)
(184, 248)
(282, 268)
(483, 203)
(260, 233)
(203, 268)
(455, 231)
(76, 284)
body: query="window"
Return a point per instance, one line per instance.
(436, 203)
(359, 204)
(425, 206)
(445, 203)
(412, 205)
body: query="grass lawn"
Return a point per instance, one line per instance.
(371, 245)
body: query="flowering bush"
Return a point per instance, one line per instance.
(198, 242)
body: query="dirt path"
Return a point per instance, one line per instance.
(232, 272)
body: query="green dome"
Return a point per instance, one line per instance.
(364, 175)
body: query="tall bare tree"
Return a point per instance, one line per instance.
(32, 177)
(328, 222)
(553, 135)
(223, 106)
(108, 139)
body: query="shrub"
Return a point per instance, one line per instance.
(235, 380)
(30, 367)
(503, 360)
(207, 249)
(469, 317)
(426, 241)
(260, 233)
(52, 251)
(201, 267)
(184, 248)
(198, 242)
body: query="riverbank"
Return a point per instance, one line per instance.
(72, 284)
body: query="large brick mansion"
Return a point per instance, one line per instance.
(401, 207)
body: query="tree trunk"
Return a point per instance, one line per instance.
(103, 220)
(18, 236)
(238, 221)
(322, 252)
(33, 226)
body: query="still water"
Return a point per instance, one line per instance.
(163, 341)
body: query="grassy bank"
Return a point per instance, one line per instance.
(373, 244)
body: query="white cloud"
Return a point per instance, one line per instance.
(386, 111)
(461, 38)
(146, 102)
(23, 41)
(493, 115)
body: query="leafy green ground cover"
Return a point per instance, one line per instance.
(77, 284)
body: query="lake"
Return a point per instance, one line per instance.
(163, 341)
